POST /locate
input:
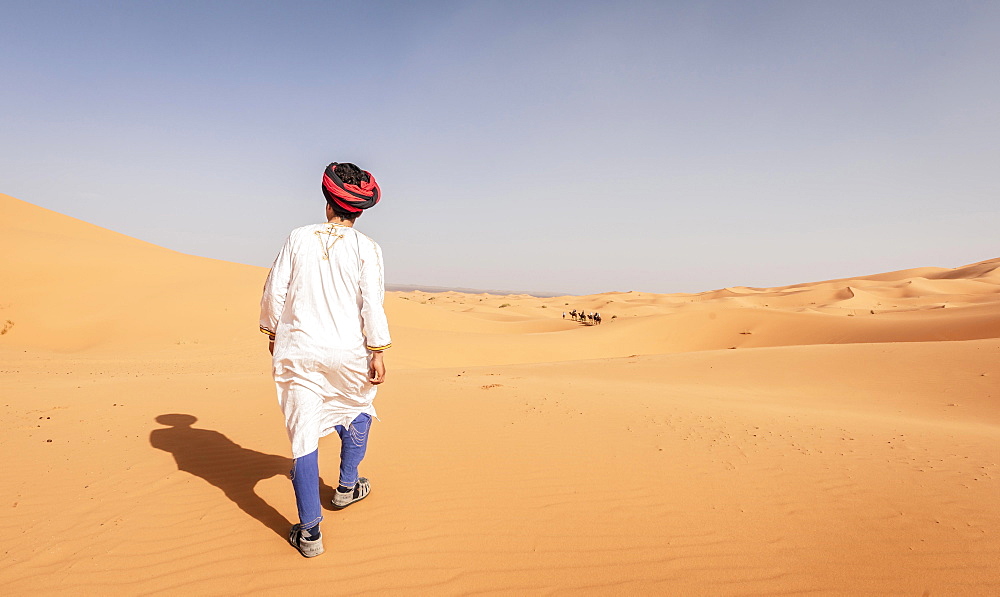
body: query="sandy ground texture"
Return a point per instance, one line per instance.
(830, 438)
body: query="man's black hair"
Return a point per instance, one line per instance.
(350, 174)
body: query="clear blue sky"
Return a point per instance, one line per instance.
(565, 146)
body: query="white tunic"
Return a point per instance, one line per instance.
(323, 303)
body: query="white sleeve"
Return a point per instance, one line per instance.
(275, 289)
(376, 326)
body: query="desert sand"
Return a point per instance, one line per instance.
(829, 438)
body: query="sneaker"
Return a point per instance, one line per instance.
(342, 500)
(307, 548)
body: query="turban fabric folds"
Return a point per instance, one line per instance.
(351, 198)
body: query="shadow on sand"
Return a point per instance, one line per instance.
(227, 465)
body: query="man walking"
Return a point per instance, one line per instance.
(322, 310)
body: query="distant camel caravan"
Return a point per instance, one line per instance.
(587, 318)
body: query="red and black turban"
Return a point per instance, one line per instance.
(351, 198)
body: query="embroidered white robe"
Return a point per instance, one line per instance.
(323, 304)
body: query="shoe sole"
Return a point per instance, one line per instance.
(309, 555)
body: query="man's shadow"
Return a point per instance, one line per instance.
(227, 465)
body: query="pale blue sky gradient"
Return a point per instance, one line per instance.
(556, 146)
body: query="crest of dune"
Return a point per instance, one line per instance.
(72, 286)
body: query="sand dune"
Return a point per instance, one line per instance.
(71, 286)
(837, 437)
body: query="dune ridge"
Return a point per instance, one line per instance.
(837, 437)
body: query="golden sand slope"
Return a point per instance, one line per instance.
(70, 286)
(848, 445)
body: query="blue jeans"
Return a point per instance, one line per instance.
(305, 470)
